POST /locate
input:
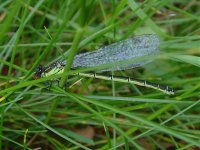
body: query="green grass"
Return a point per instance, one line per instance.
(98, 114)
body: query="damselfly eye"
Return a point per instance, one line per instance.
(38, 72)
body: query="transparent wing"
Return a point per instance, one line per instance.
(131, 48)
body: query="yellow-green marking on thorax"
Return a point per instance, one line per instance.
(53, 71)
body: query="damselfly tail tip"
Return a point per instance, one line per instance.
(170, 91)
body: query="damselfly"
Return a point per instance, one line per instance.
(132, 48)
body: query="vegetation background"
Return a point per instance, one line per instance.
(92, 113)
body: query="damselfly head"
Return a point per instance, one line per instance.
(38, 72)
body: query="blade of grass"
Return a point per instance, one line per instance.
(143, 121)
(52, 129)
